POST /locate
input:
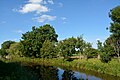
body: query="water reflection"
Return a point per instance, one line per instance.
(16, 71)
(54, 73)
(45, 72)
(74, 75)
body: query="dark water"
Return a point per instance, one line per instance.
(18, 71)
(54, 73)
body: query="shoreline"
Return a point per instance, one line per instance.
(94, 65)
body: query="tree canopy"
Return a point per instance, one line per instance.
(32, 41)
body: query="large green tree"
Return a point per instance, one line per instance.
(32, 40)
(115, 29)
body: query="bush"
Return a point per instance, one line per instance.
(105, 57)
(3, 52)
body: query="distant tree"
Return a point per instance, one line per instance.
(32, 41)
(71, 46)
(99, 46)
(91, 53)
(6, 44)
(67, 47)
(14, 49)
(81, 44)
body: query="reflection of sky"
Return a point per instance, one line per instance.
(60, 72)
(78, 75)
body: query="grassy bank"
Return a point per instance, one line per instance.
(111, 68)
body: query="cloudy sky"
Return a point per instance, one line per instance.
(68, 17)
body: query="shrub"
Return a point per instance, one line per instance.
(105, 57)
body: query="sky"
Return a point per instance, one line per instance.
(69, 18)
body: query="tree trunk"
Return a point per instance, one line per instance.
(118, 56)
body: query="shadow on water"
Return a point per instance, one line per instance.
(16, 71)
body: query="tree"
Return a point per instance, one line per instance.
(32, 41)
(3, 52)
(91, 53)
(48, 50)
(80, 45)
(67, 47)
(6, 44)
(115, 29)
(15, 49)
(105, 57)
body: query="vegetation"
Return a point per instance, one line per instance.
(41, 44)
(33, 41)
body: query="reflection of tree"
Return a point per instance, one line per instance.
(68, 75)
(45, 72)
(14, 71)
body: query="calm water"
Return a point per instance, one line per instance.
(17, 71)
(53, 73)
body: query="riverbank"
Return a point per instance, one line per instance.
(111, 68)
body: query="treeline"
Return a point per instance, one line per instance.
(42, 42)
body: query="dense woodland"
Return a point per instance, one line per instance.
(42, 42)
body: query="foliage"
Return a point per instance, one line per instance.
(99, 46)
(48, 50)
(105, 57)
(32, 41)
(4, 47)
(115, 29)
(15, 49)
(3, 52)
(67, 47)
(6, 44)
(91, 53)
(115, 14)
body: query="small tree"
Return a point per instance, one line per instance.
(6, 44)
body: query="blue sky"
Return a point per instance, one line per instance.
(68, 17)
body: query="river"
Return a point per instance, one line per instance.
(18, 71)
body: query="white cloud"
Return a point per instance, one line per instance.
(44, 2)
(50, 1)
(38, 8)
(35, 1)
(63, 18)
(44, 18)
(98, 39)
(19, 31)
